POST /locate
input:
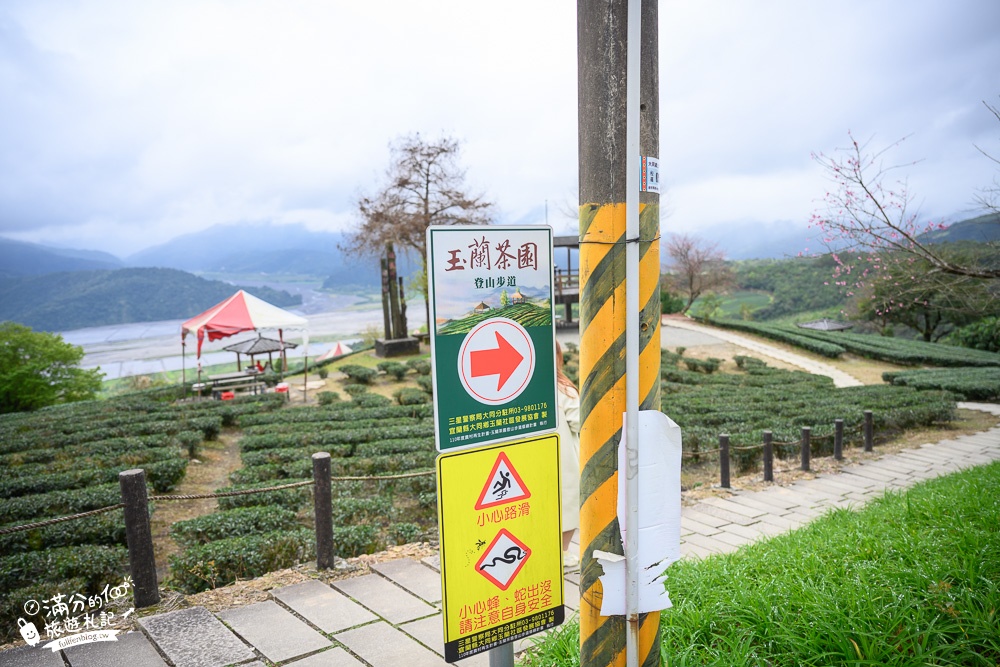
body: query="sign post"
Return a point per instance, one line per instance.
(501, 544)
(492, 333)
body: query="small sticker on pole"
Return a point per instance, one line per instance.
(650, 179)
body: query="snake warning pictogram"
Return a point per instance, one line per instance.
(503, 485)
(503, 559)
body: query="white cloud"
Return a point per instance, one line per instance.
(129, 123)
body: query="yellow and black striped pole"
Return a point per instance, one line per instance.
(601, 31)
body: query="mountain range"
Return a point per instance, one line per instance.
(59, 289)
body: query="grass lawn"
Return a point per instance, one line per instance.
(911, 579)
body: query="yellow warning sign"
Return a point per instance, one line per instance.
(501, 543)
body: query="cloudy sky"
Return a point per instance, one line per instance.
(124, 123)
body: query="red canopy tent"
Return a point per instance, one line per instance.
(241, 312)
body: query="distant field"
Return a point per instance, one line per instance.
(732, 304)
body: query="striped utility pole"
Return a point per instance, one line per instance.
(602, 45)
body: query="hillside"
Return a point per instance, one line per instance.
(18, 258)
(984, 229)
(266, 248)
(74, 300)
(796, 285)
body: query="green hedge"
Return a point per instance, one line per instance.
(338, 412)
(907, 352)
(411, 396)
(55, 503)
(827, 348)
(292, 499)
(359, 374)
(761, 398)
(107, 528)
(224, 561)
(322, 438)
(972, 384)
(232, 523)
(96, 565)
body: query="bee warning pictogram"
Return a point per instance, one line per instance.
(503, 559)
(503, 485)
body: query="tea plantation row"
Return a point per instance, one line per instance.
(243, 540)
(65, 460)
(894, 350)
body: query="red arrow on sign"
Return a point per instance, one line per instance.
(502, 360)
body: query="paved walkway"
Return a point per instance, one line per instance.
(392, 616)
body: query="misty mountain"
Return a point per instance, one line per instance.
(65, 301)
(18, 258)
(984, 229)
(266, 248)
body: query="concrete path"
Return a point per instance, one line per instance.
(392, 616)
(840, 378)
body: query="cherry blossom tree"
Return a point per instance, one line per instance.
(869, 212)
(883, 258)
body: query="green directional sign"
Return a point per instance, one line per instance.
(492, 333)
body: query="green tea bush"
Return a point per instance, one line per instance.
(371, 401)
(338, 412)
(96, 565)
(361, 510)
(359, 374)
(908, 352)
(804, 339)
(421, 365)
(350, 541)
(163, 476)
(327, 397)
(232, 523)
(210, 426)
(426, 383)
(224, 561)
(355, 390)
(411, 396)
(405, 533)
(972, 384)
(107, 528)
(292, 499)
(54, 503)
(394, 368)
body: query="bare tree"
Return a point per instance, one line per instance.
(424, 186)
(696, 267)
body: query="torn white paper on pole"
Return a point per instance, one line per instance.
(659, 516)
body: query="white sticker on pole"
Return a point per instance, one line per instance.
(658, 516)
(650, 178)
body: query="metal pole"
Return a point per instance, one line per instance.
(724, 461)
(806, 432)
(632, 161)
(502, 656)
(606, 318)
(768, 458)
(869, 431)
(838, 439)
